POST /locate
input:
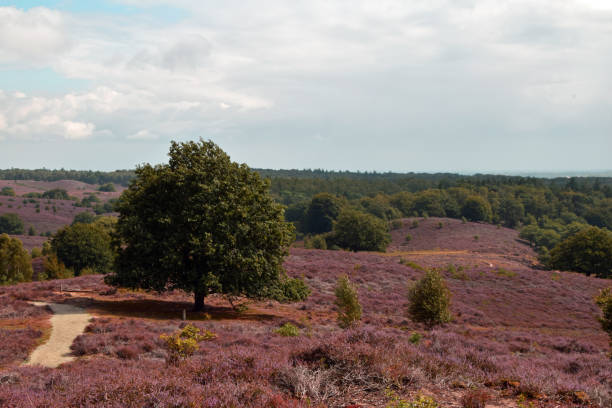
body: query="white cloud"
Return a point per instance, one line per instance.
(31, 36)
(77, 130)
(259, 70)
(143, 134)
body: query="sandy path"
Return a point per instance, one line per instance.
(67, 323)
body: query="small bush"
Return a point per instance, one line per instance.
(35, 252)
(396, 224)
(475, 399)
(506, 273)
(440, 225)
(349, 309)
(316, 242)
(429, 300)
(288, 330)
(415, 224)
(476, 237)
(421, 401)
(411, 264)
(184, 343)
(415, 338)
(408, 238)
(604, 301)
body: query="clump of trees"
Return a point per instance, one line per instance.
(429, 300)
(108, 187)
(15, 265)
(83, 247)
(11, 224)
(7, 191)
(358, 231)
(56, 194)
(347, 302)
(588, 251)
(203, 224)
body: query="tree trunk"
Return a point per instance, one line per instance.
(199, 296)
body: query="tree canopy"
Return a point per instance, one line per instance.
(81, 246)
(11, 224)
(14, 261)
(588, 251)
(359, 231)
(203, 224)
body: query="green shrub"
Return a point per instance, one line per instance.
(476, 237)
(396, 224)
(108, 187)
(440, 225)
(184, 343)
(588, 251)
(347, 301)
(11, 224)
(31, 231)
(288, 330)
(317, 242)
(415, 224)
(7, 191)
(408, 238)
(604, 301)
(506, 273)
(429, 300)
(421, 401)
(411, 264)
(415, 338)
(36, 252)
(15, 263)
(81, 246)
(54, 269)
(359, 231)
(290, 290)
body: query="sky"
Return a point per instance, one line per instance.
(422, 85)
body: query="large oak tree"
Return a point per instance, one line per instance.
(203, 224)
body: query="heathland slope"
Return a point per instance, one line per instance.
(517, 332)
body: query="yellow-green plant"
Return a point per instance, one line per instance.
(184, 343)
(349, 309)
(288, 330)
(421, 401)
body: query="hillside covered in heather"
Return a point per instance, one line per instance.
(518, 333)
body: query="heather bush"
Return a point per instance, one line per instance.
(429, 300)
(347, 302)
(288, 330)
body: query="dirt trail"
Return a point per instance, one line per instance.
(67, 323)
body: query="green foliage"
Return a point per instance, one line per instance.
(36, 252)
(379, 206)
(347, 301)
(15, 263)
(203, 224)
(421, 401)
(316, 242)
(31, 231)
(588, 251)
(511, 211)
(429, 300)
(11, 224)
(476, 208)
(288, 290)
(408, 238)
(415, 224)
(505, 272)
(81, 246)
(184, 343)
(56, 194)
(411, 264)
(396, 224)
(604, 301)
(108, 187)
(288, 330)
(415, 338)
(7, 191)
(54, 269)
(324, 208)
(358, 231)
(84, 217)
